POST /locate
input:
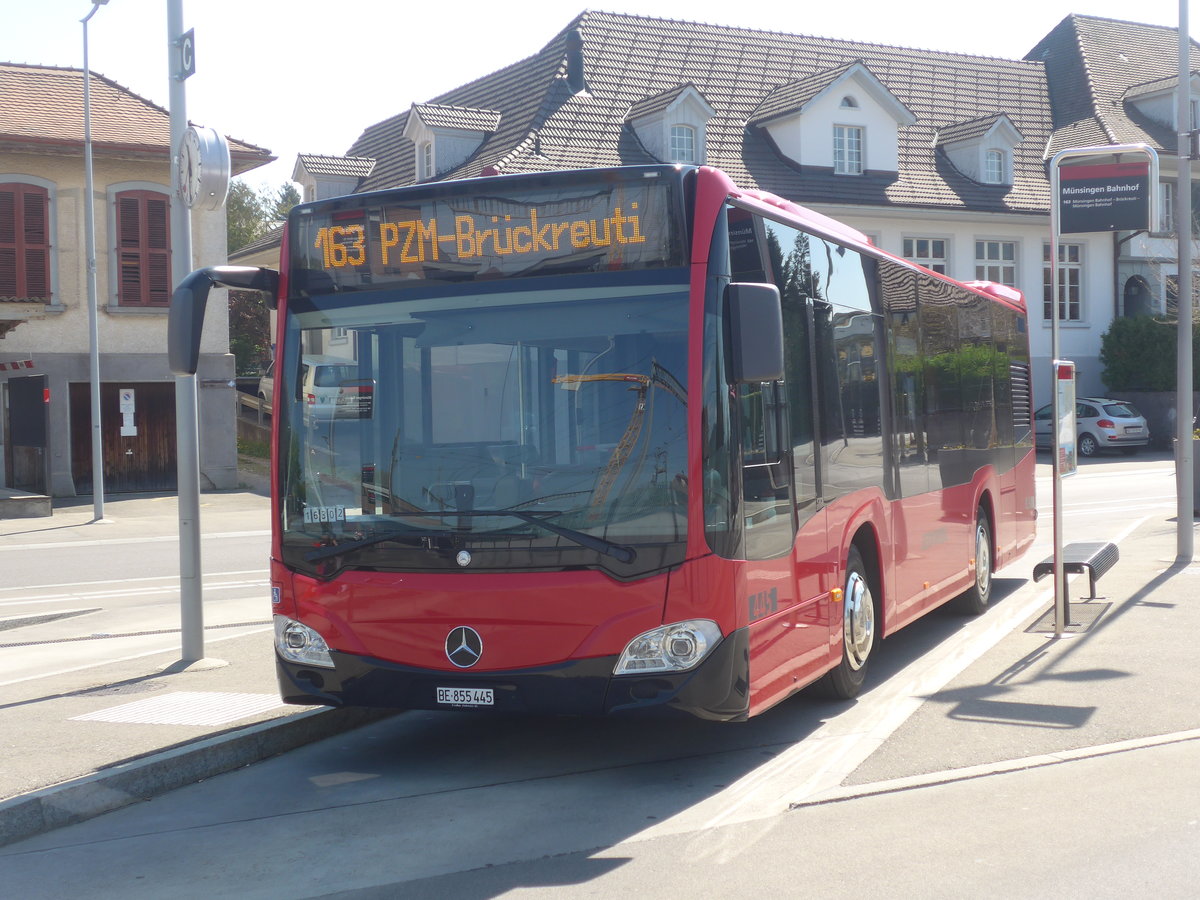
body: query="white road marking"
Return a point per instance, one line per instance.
(59, 545)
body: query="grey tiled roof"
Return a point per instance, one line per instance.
(1092, 63)
(788, 98)
(271, 238)
(658, 102)
(349, 166)
(630, 59)
(965, 131)
(1152, 87)
(634, 62)
(437, 116)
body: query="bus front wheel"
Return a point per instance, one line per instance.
(859, 633)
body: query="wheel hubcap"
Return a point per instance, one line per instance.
(859, 622)
(983, 560)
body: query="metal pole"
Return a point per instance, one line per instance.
(1060, 579)
(1185, 509)
(89, 227)
(191, 601)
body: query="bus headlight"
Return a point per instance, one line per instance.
(672, 648)
(300, 644)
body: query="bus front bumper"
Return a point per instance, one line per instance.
(718, 688)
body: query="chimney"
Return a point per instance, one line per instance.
(575, 62)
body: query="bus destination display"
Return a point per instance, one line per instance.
(605, 227)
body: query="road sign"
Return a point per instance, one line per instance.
(187, 55)
(1108, 197)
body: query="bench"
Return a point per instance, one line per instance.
(1095, 558)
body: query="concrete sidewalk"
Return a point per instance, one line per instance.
(73, 744)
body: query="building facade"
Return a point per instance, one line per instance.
(939, 157)
(45, 420)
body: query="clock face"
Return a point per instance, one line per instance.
(203, 168)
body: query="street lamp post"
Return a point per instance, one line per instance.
(93, 323)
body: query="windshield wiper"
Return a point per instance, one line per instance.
(347, 546)
(619, 552)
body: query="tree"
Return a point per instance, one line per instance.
(245, 217)
(249, 215)
(285, 199)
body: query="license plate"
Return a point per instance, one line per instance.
(448, 696)
(1133, 429)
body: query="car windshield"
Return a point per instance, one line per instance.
(530, 428)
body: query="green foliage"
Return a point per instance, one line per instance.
(258, 449)
(249, 332)
(1139, 354)
(245, 217)
(250, 214)
(972, 361)
(285, 199)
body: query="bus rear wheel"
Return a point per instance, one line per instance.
(974, 601)
(859, 633)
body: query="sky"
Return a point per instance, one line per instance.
(308, 76)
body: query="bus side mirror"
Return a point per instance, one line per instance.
(185, 319)
(755, 333)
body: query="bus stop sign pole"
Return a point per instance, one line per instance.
(1111, 187)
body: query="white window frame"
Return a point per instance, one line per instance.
(995, 167)
(1070, 283)
(426, 159)
(996, 260)
(1166, 206)
(683, 144)
(922, 249)
(849, 149)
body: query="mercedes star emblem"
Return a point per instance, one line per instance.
(464, 646)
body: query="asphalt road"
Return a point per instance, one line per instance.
(101, 599)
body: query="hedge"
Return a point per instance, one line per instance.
(1138, 354)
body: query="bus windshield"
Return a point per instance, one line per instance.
(529, 423)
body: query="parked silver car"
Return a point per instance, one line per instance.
(1099, 424)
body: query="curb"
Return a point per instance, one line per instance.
(144, 778)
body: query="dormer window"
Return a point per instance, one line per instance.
(982, 149)
(671, 125)
(847, 150)
(321, 177)
(800, 117)
(683, 144)
(445, 137)
(1158, 100)
(994, 167)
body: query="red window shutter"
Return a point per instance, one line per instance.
(143, 248)
(24, 241)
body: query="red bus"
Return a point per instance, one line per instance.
(596, 441)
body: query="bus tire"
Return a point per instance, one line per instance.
(859, 633)
(974, 600)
